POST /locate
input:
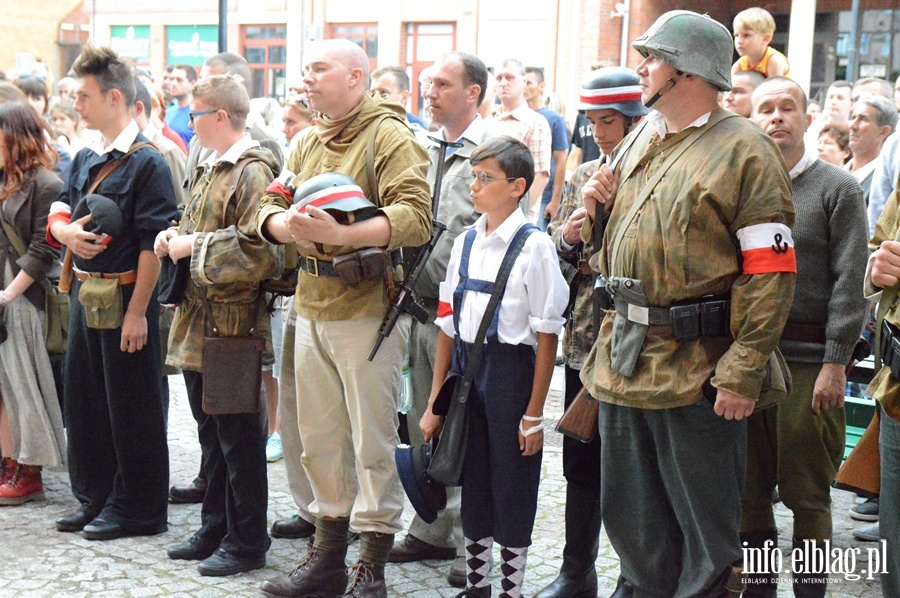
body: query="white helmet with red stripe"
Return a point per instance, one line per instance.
(613, 87)
(334, 191)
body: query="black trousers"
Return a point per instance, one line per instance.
(234, 461)
(118, 456)
(581, 461)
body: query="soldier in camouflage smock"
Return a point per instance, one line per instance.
(227, 262)
(611, 101)
(701, 269)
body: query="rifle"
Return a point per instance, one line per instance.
(405, 301)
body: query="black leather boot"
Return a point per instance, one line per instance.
(577, 577)
(812, 584)
(366, 581)
(320, 574)
(761, 585)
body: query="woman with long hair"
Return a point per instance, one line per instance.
(31, 428)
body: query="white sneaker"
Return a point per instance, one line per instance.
(274, 451)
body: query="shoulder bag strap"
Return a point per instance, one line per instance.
(370, 161)
(19, 246)
(648, 187)
(65, 276)
(493, 304)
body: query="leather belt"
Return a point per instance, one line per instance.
(315, 267)
(124, 278)
(804, 333)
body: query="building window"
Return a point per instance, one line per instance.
(265, 48)
(878, 46)
(425, 42)
(365, 35)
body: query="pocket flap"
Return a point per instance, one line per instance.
(98, 293)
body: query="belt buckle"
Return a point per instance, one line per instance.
(312, 266)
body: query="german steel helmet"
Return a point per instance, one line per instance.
(334, 191)
(614, 87)
(692, 43)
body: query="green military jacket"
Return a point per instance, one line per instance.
(884, 387)
(682, 246)
(399, 190)
(579, 336)
(228, 258)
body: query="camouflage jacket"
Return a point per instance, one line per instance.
(579, 336)
(682, 245)
(228, 259)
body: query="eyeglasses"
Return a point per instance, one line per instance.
(484, 179)
(194, 115)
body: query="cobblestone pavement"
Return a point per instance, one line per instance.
(40, 562)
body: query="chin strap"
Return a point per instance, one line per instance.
(669, 84)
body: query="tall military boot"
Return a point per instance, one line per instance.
(577, 577)
(761, 585)
(322, 572)
(23, 485)
(812, 584)
(367, 575)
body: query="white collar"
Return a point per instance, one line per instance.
(800, 167)
(234, 152)
(507, 228)
(121, 143)
(862, 172)
(658, 122)
(150, 131)
(474, 132)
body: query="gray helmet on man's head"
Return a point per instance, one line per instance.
(614, 87)
(693, 44)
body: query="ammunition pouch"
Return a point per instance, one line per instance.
(365, 264)
(708, 317)
(102, 302)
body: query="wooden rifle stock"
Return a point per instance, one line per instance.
(580, 419)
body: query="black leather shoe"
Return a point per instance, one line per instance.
(189, 494)
(571, 586)
(293, 528)
(223, 563)
(484, 592)
(75, 522)
(101, 529)
(411, 549)
(195, 549)
(623, 589)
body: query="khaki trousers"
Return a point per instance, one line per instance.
(790, 446)
(347, 414)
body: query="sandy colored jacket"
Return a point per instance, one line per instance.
(884, 387)
(399, 190)
(682, 245)
(228, 259)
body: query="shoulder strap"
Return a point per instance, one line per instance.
(110, 166)
(648, 187)
(515, 247)
(370, 159)
(234, 176)
(19, 246)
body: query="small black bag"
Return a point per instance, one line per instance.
(173, 278)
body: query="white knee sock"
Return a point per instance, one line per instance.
(512, 567)
(478, 562)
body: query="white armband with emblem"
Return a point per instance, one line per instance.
(767, 248)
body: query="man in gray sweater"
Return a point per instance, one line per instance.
(798, 445)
